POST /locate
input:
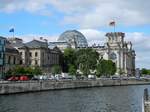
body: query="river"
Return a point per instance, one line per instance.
(98, 99)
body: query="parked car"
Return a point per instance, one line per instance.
(115, 77)
(91, 77)
(23, 78)
(34, 78)
(13, 78)
(40, 77)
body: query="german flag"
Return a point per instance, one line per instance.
(112, 23)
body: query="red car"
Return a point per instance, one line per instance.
(13, 78)
(23, 78)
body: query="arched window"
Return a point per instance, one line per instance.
(21, 62)
(14, 60)
(36, 62)
(36, 54)
(30, 54)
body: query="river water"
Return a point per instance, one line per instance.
(99, 99)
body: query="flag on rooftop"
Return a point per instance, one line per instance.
(11, 30)
(112, 23)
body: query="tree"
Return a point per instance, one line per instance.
(99, 68)
(111, 67)
(29, 71)
(144, 71)
(36, 71)
(106, 68)
(72, 70)
(9, 72)
(87, 60)
(69, 58)
(20, 70)
(56, 69)
(148, 72)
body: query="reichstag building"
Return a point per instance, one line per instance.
(115, 48)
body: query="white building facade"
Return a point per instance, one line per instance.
(120, 52)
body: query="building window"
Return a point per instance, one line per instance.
(1, 55)
(36, 62)
(21, 62)
(30, 62)
(14, 60)
(21, 53)
(30, 54)
(9, 59)
(36, 54)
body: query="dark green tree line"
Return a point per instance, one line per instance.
(145, 71)
(87, 60)
(21, 70)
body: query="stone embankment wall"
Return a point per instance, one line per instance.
(33, 86)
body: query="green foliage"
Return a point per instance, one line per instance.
(72, 70)
(36, 71)
(9, 72)
(56, 69)
(29, 70)
(111, 67)
(100, 68)
(106, 68)
(18, 70)
(145, 71)
(21, 70)
(69, 58)
(87, 60)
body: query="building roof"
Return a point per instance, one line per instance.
(36, 44)
(74, 35)
(1, 37)
(9, 48)
(56, 43)
(52, 45)
(17, 45)
(115, 34)
(14, 38)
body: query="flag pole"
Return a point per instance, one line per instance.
(12, 31)
(13, 34)
(114, 28)
(113, 25)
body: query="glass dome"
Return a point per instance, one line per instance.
(78, 37)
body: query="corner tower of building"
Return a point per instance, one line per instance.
(115, 37)
(121, 53)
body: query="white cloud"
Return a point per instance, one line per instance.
(86, 13)
(93, 36)
(32, 6)
(141, 44)
(30, 37)
(99, 13)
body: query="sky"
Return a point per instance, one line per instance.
(49, 18)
